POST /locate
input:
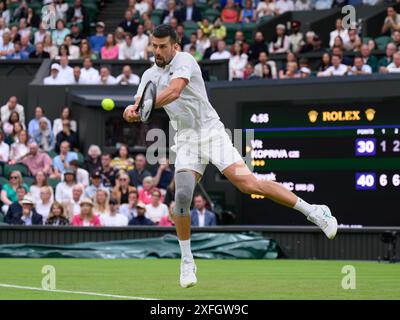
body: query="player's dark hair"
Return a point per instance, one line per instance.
(165, 30)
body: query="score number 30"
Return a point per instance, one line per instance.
(367, 147)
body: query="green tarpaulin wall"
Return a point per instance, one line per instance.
(204, 245)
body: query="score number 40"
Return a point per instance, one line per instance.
(367, 180)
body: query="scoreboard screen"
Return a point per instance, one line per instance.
(344, 155)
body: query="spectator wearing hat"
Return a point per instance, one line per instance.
(87, 217)
(258, 46)
(95, 185)
(64, 188)
(168, 220)
(129, 209)
(53, 78)
(280, 43)
(155, 210)
(282, 6)
(305, 72)
(57, 216)
(29, 215)
(98, 40)
(295, 37)
(113, 218)
(140, 218)
(199, 215)
(13, 211)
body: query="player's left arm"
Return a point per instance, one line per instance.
(172, 92)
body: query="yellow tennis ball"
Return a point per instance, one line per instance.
(108, 104)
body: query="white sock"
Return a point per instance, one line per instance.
(185, 250)
(303, 206)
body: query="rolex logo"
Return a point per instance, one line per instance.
(313, 115)
(370, 113)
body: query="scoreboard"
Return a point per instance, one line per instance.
(344, 155)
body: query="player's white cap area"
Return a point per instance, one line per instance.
(201, 139)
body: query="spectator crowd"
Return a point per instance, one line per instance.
(45, 179)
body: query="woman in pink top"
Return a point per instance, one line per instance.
(168, 220)
(110, 50)
(86, 218)
(147, 190)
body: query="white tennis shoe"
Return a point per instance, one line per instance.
(188, 274)
(324, 219)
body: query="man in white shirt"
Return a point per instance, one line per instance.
(336, 69)
(73, 50)
(140, 42)
(359, 67)
(89, 75)
(106, 78)
(282, 6)
(114, 218)
(339, 31)
(394, 67)
(53, 78)
(11, 106)
(66, 73)
(156, 209)
(127, 77)
(221, 53)
(127, 50)
(41, 33)
(73, 206)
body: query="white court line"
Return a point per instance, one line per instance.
(74, 292)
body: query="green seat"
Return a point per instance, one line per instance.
(81, 158)
(28, 181)
(211, 14)
(190, 25)
(231, 29)
(381, 42)
(366, 39)
(16, 167)
(53, 182)
(248, 30)
(264, 19)
(156, 20)
(3, 181)
(52, 154)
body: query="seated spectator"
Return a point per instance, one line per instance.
(8, 125)
(249, 72)
(4, 12)
(73, 49)
(89, 75)
(87, 217)
(195, 53)
(140, 42)
(282, 6)
(9, 190)
(14, 136)
(359, 68)
(77, 76)
(295, 37)
(169, 13)
(229, 14)
(17, 53)
(57, 216)
(205, 27)
(40, 34)
(19, 149)
(39, 181)
(192, 42)
(354, 43)
(63, 51)
(127, 77)
(339, 52)
(202, 42)
(95, 179)
(139, 173)
(237, 62)
(58, 35)
(58, 123)
(39, 52)
(189, 12)
(14, 33)
(122, 188)
(336, 69)
(247, 14)
(123, 161)
(338, 42)
(108, 173)
(396, 39)
(33, 126)
(67, 134)
(280, 42)
(140, 218)
(44, 137)
(339, 31)
(257, 47)
(110, 49)
(64, 188)
(49, 47)
(86, 52)
(392, 21)
(129, 24)
(82, 176)
(199, 215)
(145, 194)
(26, 46)
(73, 206)
(155, 210)
(260, 69)
(6, 45)
(305, 72)
(76, 35)
(28, 216)
(92, 162)
(98, 40)
(61, 9)
(43, 206)
(54, 77)
(66, 73)
(105, 77)
(369, 59)
(211, 49)
(265, 8)
(394, 67)
(129, 209)
(24, 30)
(143, 7)
(33, 20)
(291, 71)
(127, 51)
(325, 62)
(14, 212)
(163, 176)
(79, 14)
(113, 218)
(372, 45)
(303, 5)
(37, 161)
(308, 45)
(218, 30)
(101, 202)
(388, 58)
(168, 220)
(61, 161)
(4, 149)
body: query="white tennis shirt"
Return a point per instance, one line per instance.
(191, 110)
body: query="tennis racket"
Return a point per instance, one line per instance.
(147, 102)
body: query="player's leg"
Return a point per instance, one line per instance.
(240, 175)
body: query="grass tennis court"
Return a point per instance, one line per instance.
(218, 279)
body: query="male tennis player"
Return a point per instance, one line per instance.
(201, 138)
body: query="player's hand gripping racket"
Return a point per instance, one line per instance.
(147, 102)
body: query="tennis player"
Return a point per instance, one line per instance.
(201, 138)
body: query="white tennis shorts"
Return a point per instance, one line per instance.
(195, 150)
